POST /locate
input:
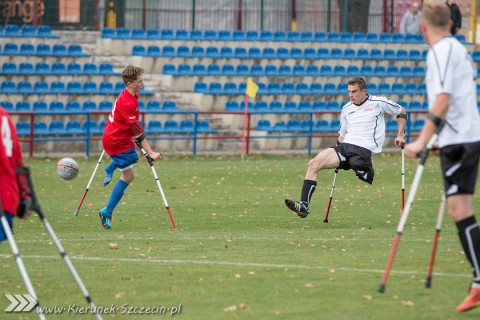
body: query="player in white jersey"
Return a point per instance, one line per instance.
(452, 101)
(361, 135)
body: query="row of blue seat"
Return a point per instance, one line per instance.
(279, 53)
(306, 106)
(230, 88)
(57, 68)
(74, 106)
(43, 49)
(75, 127)
(58, 87)
(294, 125)
(265, 35)
(257, 70)
(27, 31)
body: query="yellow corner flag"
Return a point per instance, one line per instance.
(252, 88)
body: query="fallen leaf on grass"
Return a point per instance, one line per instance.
(407, 303)
(309, 285)
(119, 295)
(367, 297)
(231, 308)
(114, 246)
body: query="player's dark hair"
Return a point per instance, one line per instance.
(131, 73)
(358, 81)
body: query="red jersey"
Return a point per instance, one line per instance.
(117, 136)
(10, 157)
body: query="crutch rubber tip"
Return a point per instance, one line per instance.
(75, 213)
(381, 288)
(428, 283)
(175, 229)
(325, 220)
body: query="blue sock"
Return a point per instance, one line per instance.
(109, 170)
(117, 194)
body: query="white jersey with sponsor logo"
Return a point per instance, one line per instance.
(364, 125)
(450, 70)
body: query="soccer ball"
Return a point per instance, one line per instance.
(67, 168)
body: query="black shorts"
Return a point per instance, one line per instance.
(356, 158)
(460, 167)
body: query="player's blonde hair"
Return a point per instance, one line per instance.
(131, 73)
(436, 13)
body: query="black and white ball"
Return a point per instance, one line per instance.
(67, 168)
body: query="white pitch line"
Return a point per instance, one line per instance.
(244, 264)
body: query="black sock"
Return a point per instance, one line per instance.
(307, 191)
(469, 234)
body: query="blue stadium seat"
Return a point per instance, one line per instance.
(196, 34)
(199, 70)
(271, 70)
(389, 54)
(346, 36)
(152, 34)
(293, 125)
(73, 127)
(392, 71)
(282, 53)
(321, 125)
(39, 106)
(43, 49)
(165, 34)
(299, 70)
(59, 68)
(391, 125)
(12, 30)
(422, 88)
(23, 128)
(397, 38)
(275, 106)
(380, 71)
(288, 88)
(366, 70)
(41, 87)
(320, 36)
(200, 87)
(75, 50)
(56, 128)
(306, 125)
(23, 106)
(224, 35)
(333, 105)
(40, 128)
(138, 33)
(410, 88)
(290, 106)
(74, 106)
(168, 105)
(372, 37)
(256, 70)
(213, 70)
(59, 49)
(181, 34)
(7, 87)
(376, 54)
(101, 125)
(56, 106)
(154, 126)
(45, 31)
(263, 125)
(238, 35)
(186, 126)
(339, 70)
(252, 35)
(336, 53)
(204, 127)
(90, 127)
(105, 105)
(74, 68)
(371, 88)
(385, 37)
(309, 53)
(316, 88)
(198, 52)
(10, 49)
(153, 106)
(402, 55)
(170, 126)
(353, 71)
(326, 70)
(363, 54)
(293, 36)
(90, 68)
(415, 105)
(240, 53)
(138, 50)
(41, 68)
(7, 105)
(414, 55)
(461, 38)
(226, 52)
(349, 53)
(215, 88)
(359, 37)
(418, 124)
(312, 70)
(27, 49)
(212, 52)
(73, 87)
(108, 32)
(406, 71)
(301, 88)
(334, 125)
(274, 88)
(232, 106)
(342, 88)
(106, 88)
(261, 106)
(106, 69)
(183, 70)
(254, 53)
(397, 88)
(333, 36)
(266, 35)
(119, 87)
(319, 106)
(123, 33)
(24, 87)
(410, 38)
(384, 88)
(268, 53)
(306, 36)
(304, 106)
(87, 105)
(167, 51)
(9, 68)
(183, 51)
(296, 53)
(230, 88)
(329, 88)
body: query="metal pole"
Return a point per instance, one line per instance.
(474, 21)
(261, 14)
(294, 17)
(144, 14)
(391, 16)
(345, 16)
(194, 10)
(239, 22)
(195, 134)
(329, 15)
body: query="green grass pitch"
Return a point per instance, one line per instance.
(239, 252)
